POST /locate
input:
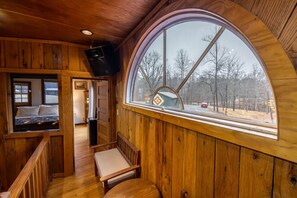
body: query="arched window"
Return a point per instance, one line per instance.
(203, 67)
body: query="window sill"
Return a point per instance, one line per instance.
(169, 115)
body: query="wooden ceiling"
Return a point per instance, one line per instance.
(62, 20)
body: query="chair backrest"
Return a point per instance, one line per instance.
(128, 150)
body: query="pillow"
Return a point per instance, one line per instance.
(27, 111)
(48, 110)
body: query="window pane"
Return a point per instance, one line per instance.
(231, 81)
(25, 96)
(51, 99)
(51, 92)
(24, 89)
(184, 47)
(18, 89)
(142, 93)
(151, 65)
(25, 100)
(18, 96)
(18, 100)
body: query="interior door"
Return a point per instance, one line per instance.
(103, 124)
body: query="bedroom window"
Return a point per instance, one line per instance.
(50, 91)
(201, 67)
(35, 102)
(22, 93)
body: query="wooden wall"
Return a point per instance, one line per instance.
(18, 151)
(179, 159)
(209, 161)
(38, 54)
(38, 57)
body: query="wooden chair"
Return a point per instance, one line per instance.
(119, 162)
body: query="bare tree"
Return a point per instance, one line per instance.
(152, 69)
(231, 72)
(237, 75)
(216, 61)
(182, 62)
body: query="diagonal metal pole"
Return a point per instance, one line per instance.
(214, 40)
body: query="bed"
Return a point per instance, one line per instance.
(32, 118)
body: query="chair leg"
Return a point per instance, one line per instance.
(96, 170)
(105, 187)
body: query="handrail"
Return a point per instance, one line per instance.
(33, 180)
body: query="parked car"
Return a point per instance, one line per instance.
(204, 105)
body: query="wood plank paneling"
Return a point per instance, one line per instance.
(138, 123)
(21, 156)
(25, 52)
(65, 57)
(131, 127)
(18, 152)
(274, 13)
(48, 56)
(83, 62)
(190, 168)
(125, 118)
(57, 56)
(152, 150)
(288, 38)
(10, 161)
(205, 166)
(247, 4)
(11, 54)
(256, 173)
(159, 152)
(285, 179)
(144, 146)
(31, 144)
(37, 55)
(177, 160)
(226, 170)
(73, 58)
(2, 53)
(166, 145)
(57, 154)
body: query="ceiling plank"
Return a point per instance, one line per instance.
(109, 20)
(274, 13)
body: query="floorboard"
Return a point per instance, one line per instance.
(83, 183)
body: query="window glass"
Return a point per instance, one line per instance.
(209, 70)
(51, 92)
(21, 93)
(150, 72)
(184, 47)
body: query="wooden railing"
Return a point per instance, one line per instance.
(33, 180)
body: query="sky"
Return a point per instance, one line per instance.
(189, 35)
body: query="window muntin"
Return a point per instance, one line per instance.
(222, 71)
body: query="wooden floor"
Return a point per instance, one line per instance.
(83, 183)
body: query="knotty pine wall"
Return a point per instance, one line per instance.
(38, 57)
(208, 161)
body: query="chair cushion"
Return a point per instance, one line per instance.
(111, 161)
